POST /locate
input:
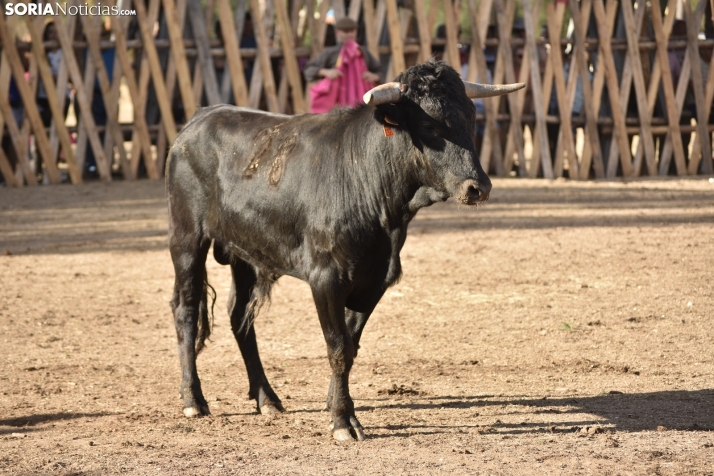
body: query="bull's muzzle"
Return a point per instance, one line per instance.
(472, 192)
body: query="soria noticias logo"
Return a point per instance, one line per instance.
(22, 9)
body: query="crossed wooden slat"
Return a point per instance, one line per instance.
(504, 67)
(565, 145)
(478, 72)
(704, 137)
(19, 140)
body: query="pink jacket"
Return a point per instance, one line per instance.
(348, 89)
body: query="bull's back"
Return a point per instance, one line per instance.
(218, 133)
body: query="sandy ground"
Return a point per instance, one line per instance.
(563, 328)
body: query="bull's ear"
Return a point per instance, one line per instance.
(390, 115)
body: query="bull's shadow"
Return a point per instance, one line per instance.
(689, 410)
(26, 424)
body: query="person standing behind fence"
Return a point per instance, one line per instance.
(54, 57)
(348, 70)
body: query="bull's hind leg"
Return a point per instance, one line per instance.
(244, 281)
(188, 253)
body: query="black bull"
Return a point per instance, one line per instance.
(324, 198)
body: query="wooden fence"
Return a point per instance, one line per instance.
(614, 88)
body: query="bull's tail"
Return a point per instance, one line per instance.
(205, 319)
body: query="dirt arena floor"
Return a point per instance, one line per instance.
(563, 328)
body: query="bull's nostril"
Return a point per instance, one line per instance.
(473, 190)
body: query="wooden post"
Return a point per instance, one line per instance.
(338, 6)
(529, 18)
(599, 84)
(693, 51)
(208, 71)
(291, 66)
(85, 104)
(613, 90)
(32, 114)
(370, 28)
(167, 116)
(144, 70)
(708, 99)
(652, 96)
(235, 62)
(625, 87)
(664, 72)
(423, 25)
(452, 36)
(505, 22)
(5, 167)
(555, 23)
(633, 51)
(62, 81)
(161, 142)
(183, 74)
(355, 7)
(478, 71)
(264, 56)
(82, 136)
(237, 29)
(395, 37)
(591, 128)
(15, 135)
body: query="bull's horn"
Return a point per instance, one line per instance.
(476, 90)
(383, 94)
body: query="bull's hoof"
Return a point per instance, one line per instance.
(271, 408)
(354, 432)
(194, 412)
(343, 434)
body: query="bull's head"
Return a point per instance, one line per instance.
(433, 104)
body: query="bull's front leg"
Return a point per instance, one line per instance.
(330, 304)
(355, 325)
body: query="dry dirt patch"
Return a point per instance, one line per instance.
(562, 328)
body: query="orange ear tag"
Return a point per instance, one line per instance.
(388, 131)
